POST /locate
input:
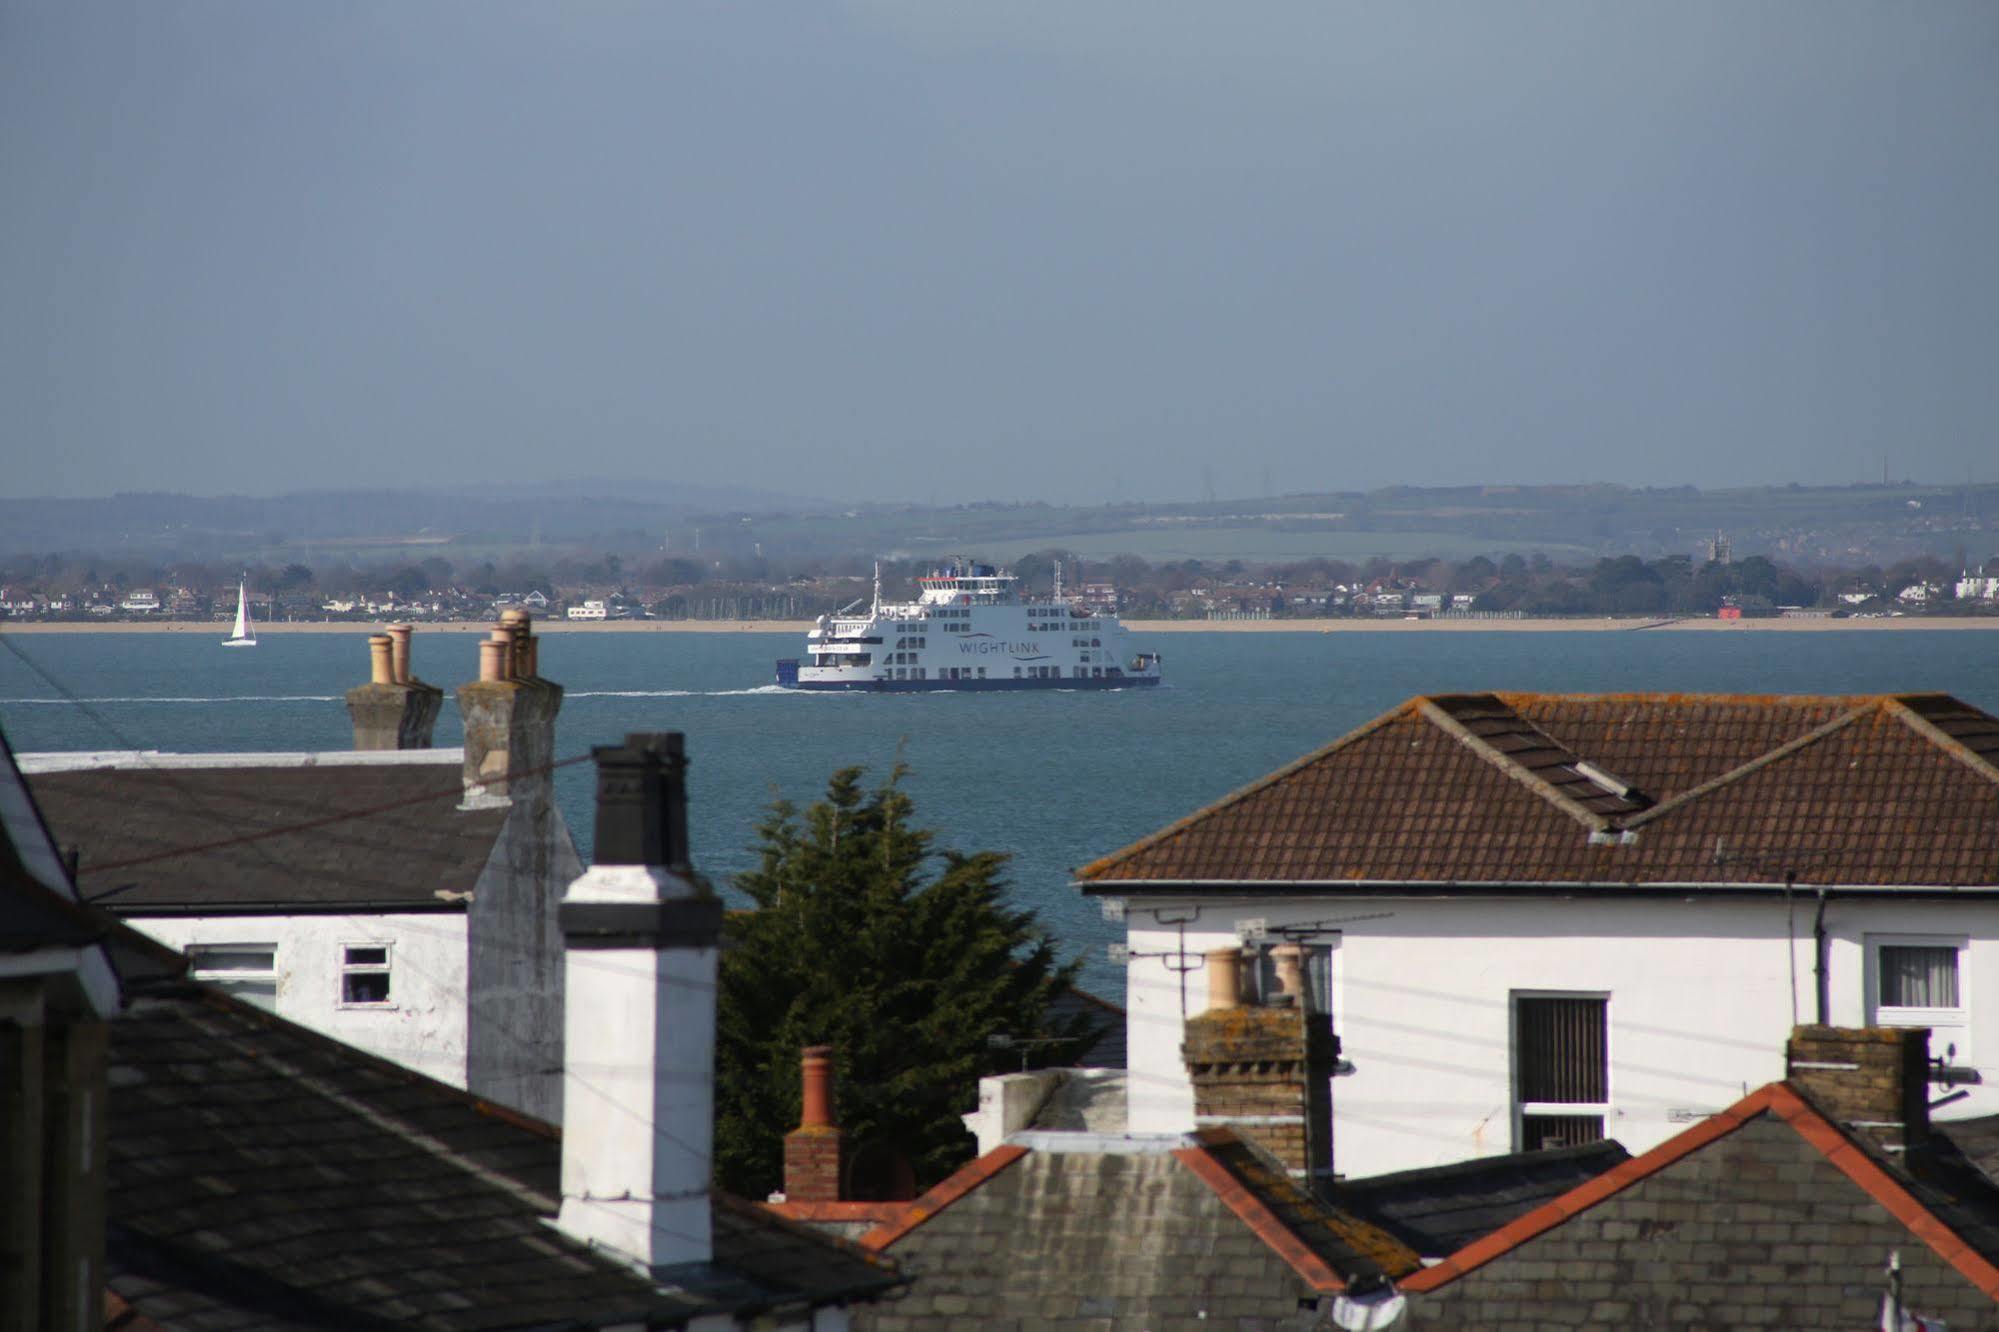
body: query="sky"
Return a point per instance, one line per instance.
(1022, 249)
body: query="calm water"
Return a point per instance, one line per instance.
(1055, 778)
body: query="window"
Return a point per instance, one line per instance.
(247, 970)
(1920, 981)
(1561, 1069)
(364, 974)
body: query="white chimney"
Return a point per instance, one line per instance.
(638, 1085)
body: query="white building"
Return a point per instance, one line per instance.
(589, 610)
(1539, 919)
(1978, 587)
(142, 601)
(402, 901)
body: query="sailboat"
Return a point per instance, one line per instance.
(242, 636)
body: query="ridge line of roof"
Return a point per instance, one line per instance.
(1428, 708)
(1265, 1224)
(1588, 1194)
(1898, 707)
(1373, 724)
(1757, 764)
(941, 1195)
(1782, 1102)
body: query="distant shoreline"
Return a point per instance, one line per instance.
(219, 630)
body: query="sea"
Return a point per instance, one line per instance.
(1052, 778)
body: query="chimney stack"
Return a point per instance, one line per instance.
(1874, 1080)
(639, 1065)
(394, 710)
(509, 715)
(1264, 1071)
(815, 1151)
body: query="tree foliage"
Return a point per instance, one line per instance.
(902, 957)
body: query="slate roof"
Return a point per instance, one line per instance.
(1891, 790)
(253, 837)
(1108, 1050)
(1058, 1227)
(1770, 1185)
(1440, 1209)
(262, 1175)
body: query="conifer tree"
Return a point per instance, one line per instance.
(901, 956)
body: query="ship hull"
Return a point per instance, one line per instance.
(962, 686)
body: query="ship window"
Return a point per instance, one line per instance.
(982, 672)
(1016, 672)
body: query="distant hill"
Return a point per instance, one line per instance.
(1844, 526)
(602, 512)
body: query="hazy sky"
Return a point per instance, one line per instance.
(910, 249)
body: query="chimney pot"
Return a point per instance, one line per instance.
(492, 660)
(816, 1069)
(382, 668)
(1290, 962)
(1224, 978)
(399, 652)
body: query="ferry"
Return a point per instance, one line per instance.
(970, 628)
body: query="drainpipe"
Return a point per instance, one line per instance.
(1818, 957)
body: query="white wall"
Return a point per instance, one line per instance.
(423, 1025)
(1700, 1004)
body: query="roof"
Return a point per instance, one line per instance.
(1888, 790)
(39, 911)
(1103, 1016)
(262, 1175)
(270, 837)
(1440, 1209)
(1057, 1226)
(1939, 1197)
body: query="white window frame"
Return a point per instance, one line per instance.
(344, 968)
(222, 978)
(1948, 1026)
(1525, 1110)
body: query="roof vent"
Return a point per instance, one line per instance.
(1616, 785)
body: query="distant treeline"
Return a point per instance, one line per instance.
(733, 586)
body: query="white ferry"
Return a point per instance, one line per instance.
(969, 629)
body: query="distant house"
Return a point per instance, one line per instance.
(141, 602)
(1978, 587)
(400, 900)
(589, 610)
(1541, 919)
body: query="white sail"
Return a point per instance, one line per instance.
(241, 635)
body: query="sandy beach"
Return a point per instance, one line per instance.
(220, 629)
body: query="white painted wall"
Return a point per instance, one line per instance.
(1701, 1001)
(423, 1025)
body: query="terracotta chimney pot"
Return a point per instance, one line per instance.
(399, 652)
(1290, 961)
(817, 1068)
(382, 669)
(1224, 978)
(493, 654)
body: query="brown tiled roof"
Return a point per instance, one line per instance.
(240, 838)
(1619, 789)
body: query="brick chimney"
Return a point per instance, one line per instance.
(1263, 1070)
(641, 933)
(815, 1151)
(394, 710)
(1874, 1080)
(509, 715)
